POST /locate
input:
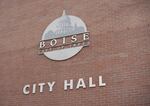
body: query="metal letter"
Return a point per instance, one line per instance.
(101, 84)
(51, 85)
(53, 42)
(25, 91)
(81, 83)
(42, 44)
(85, 36)
(41, 85)
(64, 40)
(73, 38)
(91, 85)
(66, 84)
(34, 88)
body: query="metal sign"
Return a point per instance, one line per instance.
(71, 84)
(64, 38)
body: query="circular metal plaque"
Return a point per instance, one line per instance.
(64, 26)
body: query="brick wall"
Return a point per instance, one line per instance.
(119, 51)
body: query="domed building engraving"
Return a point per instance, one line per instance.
(65, 26)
